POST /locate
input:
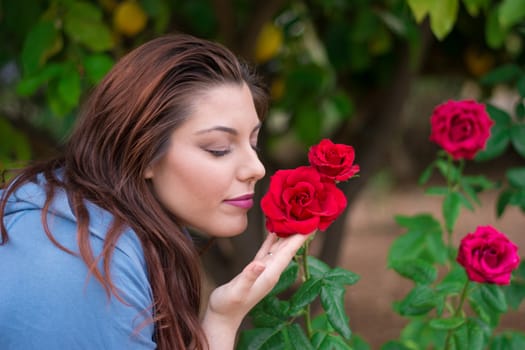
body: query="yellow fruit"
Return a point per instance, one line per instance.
(268, 43)
(129, 18)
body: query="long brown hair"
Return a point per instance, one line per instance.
(123, 127)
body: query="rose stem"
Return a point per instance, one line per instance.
(457, 312)
(306, 277)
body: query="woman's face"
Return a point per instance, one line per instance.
(207, 176)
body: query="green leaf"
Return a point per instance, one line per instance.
(407, 246)
(435, 246)
(517, 135)
(419, 301)
(495, 34)
(358, 343)
(317, 267)
(504, 199)
(261, 338)
(56, 103)
(298, 339)
(454, 281)
(474, 6)
(419, 222)
(503, 74)
(339, 277)
(97, 66)
(42, 42)
(511, 12)
(423, 237)
(443, 15)
(426, 174)
(484, 311)
(420, 8)
(499, 134)
(343, 103)
(69, 88)
(332, 299)
(494, 296)
(509, 340)
(451, 209)
(461, 336)
(83, 24)
(515, 292)
(288, 277)
(395, 345)
(437, 191)
(448, 170)
(160, 11)
(327, 341)
(307, 123)
(472, 185)
(30, 84)
(418, 270)
(449, 323)
(306, 293)
(269, 313)
(475, 335)
(14, 146)
(516, 177)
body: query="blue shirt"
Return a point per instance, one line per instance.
(48, 300)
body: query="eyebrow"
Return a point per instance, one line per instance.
(225, 129)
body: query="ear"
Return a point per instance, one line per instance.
(148, 173)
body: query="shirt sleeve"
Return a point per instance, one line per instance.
(50, 301)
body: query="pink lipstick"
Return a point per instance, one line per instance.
(244, 202)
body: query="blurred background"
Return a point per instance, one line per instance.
(362, 72)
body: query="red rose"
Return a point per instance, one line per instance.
(462, 128)
(299, 201)
(334, 161)
(488, 256)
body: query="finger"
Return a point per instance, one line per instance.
(271, 238)
(288, 246)
(248, 276)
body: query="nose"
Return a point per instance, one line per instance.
(251, 168)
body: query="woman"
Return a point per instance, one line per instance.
(94, 252)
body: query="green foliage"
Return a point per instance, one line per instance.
(14, 147)
(274, 318)
(435, 305)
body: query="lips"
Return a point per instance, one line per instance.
(244, 201)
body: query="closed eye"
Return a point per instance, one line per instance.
(217, 152)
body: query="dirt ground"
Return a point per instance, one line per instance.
(371, 230)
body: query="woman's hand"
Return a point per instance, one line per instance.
(229, 303)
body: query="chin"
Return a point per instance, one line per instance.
(231, 229)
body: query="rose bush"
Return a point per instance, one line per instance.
(461, 128)
(488, 256)
(436, 306)
(333, 161)
(444, 309)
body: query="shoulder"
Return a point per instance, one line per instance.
(50, 294)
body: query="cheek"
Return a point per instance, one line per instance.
(192, 180)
